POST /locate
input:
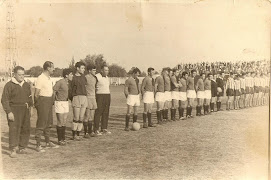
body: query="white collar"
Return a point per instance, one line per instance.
(16, 82)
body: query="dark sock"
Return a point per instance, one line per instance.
(134, 118)
(190, 111)
(149, 118)
(144, 118)
(166, 114)
(85, 124)
(217, 105)
(58, 131)
(212, 105)
(158, 116)
(89, 127)
(63, 132)
(187, 111)
(182, 112)
(127, 119)
(73, 133)
(207, 108)
(78, 133)
(197, 110)
(171, 113)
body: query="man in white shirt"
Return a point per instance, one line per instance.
(44, 105)
(103, 99)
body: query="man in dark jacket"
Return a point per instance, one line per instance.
(17, 103)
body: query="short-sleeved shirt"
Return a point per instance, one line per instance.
(243, 83)
(132, 85)
(183, 82)
(230, 83)
(78, 85)
(147, 84)
(207, 84)
(45, 85)
(91, 85)
(167, 82)
(237, 84)
(102, 84)
(200, 85)
(160, 84)
(61, 89)
(190, 83)
(173, 80)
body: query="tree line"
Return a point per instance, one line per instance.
(115, 70)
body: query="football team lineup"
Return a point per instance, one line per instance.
(81, 102)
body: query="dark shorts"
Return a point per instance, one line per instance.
(230, 92)
(251, 90)
(214, 93)
(247, 90)
(266, 89)
(219, 94)
(243, 91)
(237, 93)
(256, 89)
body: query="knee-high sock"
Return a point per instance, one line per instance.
(85, 124)
(149, 118)
(89, 127)
(144, 118)
(134, 118)
(80, 126)
(58, 131)
(127, 119)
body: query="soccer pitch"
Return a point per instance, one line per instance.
(223, 145)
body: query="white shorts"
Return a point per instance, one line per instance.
(168, 96)
(133, 100)
(182, 96)
(191, 94)
(61, 107)
(201, 94)
(175, 95)
(148, 97)
(160, 97)
(208, 94)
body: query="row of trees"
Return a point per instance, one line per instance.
(97, 60)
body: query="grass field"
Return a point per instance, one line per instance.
(224, 145)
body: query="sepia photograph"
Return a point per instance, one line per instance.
(135, 89)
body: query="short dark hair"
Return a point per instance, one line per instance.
(103, 66)
(175, 69)
(47, 64)
(90, 67)
(193, 71)
(202, 74)
(169, 69)
(66, 72)
(136, 70)
(209, 74)
(184, 73)
(79, 64)
(150, 69)
(15, 70)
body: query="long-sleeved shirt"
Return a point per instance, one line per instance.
(16, 93)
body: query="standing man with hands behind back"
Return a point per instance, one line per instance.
(44, 105)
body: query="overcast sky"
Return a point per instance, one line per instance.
(140, 34)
